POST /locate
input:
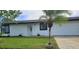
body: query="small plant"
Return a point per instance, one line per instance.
(0, 34)
(20, 35)
(38, 34)
(8, 36)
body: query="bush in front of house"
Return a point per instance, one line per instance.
(38, 34)
(20, 35)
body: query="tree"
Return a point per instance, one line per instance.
(9, 15)
(54, 16)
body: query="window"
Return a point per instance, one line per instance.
(5, 29)
(43, 26)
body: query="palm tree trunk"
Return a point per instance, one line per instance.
(49, 36)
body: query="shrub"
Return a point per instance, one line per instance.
(38, 34)
(20, 35)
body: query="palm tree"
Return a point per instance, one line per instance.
(51, 16)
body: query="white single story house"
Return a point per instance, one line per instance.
(35, 27)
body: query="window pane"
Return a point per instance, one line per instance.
(43, 26)
(5, 29)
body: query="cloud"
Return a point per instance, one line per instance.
(35, 14)
(75, 13)
(30, 15)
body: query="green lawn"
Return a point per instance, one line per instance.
(25, 42)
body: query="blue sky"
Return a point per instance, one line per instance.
(35, 14)
(30, 15)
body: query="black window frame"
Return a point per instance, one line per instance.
(43, 26)
(6, 29)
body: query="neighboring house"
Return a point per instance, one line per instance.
(35, 27)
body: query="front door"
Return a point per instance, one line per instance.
(30, 29)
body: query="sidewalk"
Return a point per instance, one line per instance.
(68, 42)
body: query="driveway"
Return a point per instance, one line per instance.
(68, 42)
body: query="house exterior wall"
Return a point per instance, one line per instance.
(70, 28)
(17, 29)
(0, 30)
(36, 30)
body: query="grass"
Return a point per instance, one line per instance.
(25, 42)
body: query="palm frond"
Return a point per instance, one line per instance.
(56, 12)
(43, 18)
(61, 20)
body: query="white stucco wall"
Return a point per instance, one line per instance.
(0, 30)
(70, 28)
(36, 30)
(17, 29)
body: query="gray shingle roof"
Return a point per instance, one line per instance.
(36, 21)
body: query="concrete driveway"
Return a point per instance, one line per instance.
(68, 42)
